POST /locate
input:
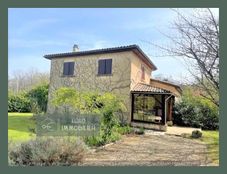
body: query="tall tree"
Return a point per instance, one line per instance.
(196, 39)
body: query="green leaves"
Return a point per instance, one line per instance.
(106, 104)
(195, 111)
(34, 100)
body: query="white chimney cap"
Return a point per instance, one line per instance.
(75, 48)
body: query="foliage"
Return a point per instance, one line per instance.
(94, 141)
(18, 103)
(124, 130)
(34, 100)
(106, 104)
(99, 140)
(195, 39)
(140, 131)
(195, 111)
(21, 81)
(47, 152)
(38, 97)
(196, 134)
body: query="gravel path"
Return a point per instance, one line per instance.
(149, 150)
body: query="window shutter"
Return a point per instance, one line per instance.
(108, 66)
(101, 67)
(71, 68)
(66, 68)
(143, 73)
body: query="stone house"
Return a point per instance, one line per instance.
(125, 71)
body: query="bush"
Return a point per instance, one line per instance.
(18, 103)
(47, 152)
(115, 135)
(124, 130)
(38, 98)
(196, 134)
(187, 114)
(106, 104)
(195, 111)
(34, 101)
(139, 131)
(94, 141)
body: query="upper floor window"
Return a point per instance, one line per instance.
(105, 67)
(68, 69)
(143, 73)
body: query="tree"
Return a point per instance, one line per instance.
(196, 39)
(24, 81)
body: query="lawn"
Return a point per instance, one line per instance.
(211, 138)
(19, 125)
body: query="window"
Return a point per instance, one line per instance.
(143, 73)
(105, 66)
(148, 107)
(68, 69)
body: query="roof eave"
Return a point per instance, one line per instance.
(102, 51)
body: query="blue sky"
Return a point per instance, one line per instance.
(35, 32)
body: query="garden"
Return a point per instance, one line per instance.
(25, 148)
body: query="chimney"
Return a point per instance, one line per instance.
(75, 48)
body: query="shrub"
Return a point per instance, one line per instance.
(196, 134)
(38, 97)
(105, 104)
(187, 114)
(34, 100)
(140, 131)
(124, 130)
(209, 120)
(47, 152)
(18, 103)
(94, 141)
(195, 111)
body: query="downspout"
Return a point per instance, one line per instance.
(165, 106)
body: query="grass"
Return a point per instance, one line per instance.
(19, 125)
(211, 138)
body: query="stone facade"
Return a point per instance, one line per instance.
(126, 72)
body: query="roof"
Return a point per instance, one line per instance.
(140, 87)
(168, 83)
(135, 48)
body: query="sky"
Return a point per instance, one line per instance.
(35, 32)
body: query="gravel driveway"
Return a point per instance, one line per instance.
(149, 150)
